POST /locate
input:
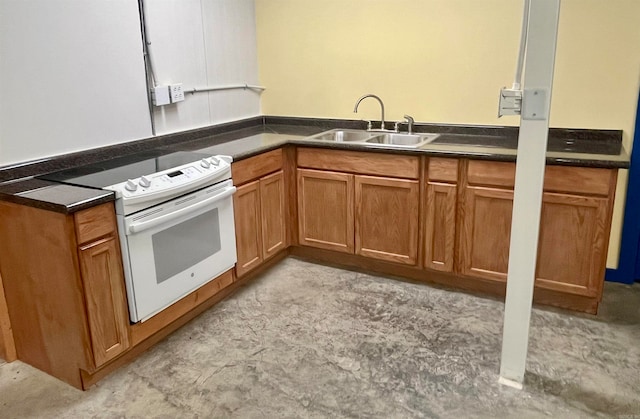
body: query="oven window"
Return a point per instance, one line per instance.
(178, 248)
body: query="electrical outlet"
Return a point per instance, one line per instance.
(510, 102)
(176, 92)
(160, 95)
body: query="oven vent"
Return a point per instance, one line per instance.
(182, 201)
(146, 214)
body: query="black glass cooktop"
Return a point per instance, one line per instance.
(111, 172)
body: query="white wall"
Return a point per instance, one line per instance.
(71, 77)
(204, 43)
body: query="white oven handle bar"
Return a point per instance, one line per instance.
(145, 225)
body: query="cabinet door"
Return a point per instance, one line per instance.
(103, 280)
(485, 233)
(573, 240)
(440, 226)
(325, 210)
(246, 208)
(387, 218)
(272, 206)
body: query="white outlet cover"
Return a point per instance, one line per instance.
(177, 93)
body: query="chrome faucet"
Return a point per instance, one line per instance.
(355, 108)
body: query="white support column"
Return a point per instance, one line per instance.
(527, 204)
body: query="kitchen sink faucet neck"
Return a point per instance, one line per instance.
(355, 108)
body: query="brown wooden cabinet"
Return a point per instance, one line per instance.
(246, 208)
(440, 203)
(326, 210)
(485, 232)
(105, 296)
(260, 220)
(273, 214)
(386, 219)
(573, 242)
(259, 209)
(574, 226)
(65, 288)
(360, 212)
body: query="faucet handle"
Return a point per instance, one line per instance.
(410, 122)
(396, 126)
(369, 125)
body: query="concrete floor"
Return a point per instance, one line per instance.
(309, 341)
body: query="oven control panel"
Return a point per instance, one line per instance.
(173, 182)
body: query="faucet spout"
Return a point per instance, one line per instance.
(355, 108)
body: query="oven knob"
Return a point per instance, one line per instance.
(130, 186)
(215, 161)
(205, 163)
(145, 182)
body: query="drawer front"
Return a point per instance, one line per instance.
(587, 180)
(443, 170)
(360, 162)
(255, 167)
(95, 222)
(582, 180)
(491, 173)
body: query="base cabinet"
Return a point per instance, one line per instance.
(372, 216)
(485, 233)
(386, 221)
(573, 244)
(246, 208)
(68, 287)
(260, 212)
(105, 296)
(440, 205)
(574, 226)
(326, 210)
(260, 219)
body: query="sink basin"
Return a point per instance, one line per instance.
(402, 140)
(393, 139)
(343, 135)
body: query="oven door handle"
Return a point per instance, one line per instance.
(145, 225)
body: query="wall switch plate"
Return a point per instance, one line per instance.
(176, 92)
(160, 95)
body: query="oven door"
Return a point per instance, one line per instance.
(176, 247)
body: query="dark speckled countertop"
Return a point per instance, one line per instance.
(242, 139)
(53, 196)
(568, 150)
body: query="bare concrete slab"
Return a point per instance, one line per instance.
(310, 341)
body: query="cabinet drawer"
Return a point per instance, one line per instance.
(491, 173)
(95, 222)
(586, 180)
(582, 180)
(360, 162)
(443, 170)
(256, 167)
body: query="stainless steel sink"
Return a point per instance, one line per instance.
(393, 139)
(402, 140)
(343, 135)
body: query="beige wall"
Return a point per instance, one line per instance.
(444, 61)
